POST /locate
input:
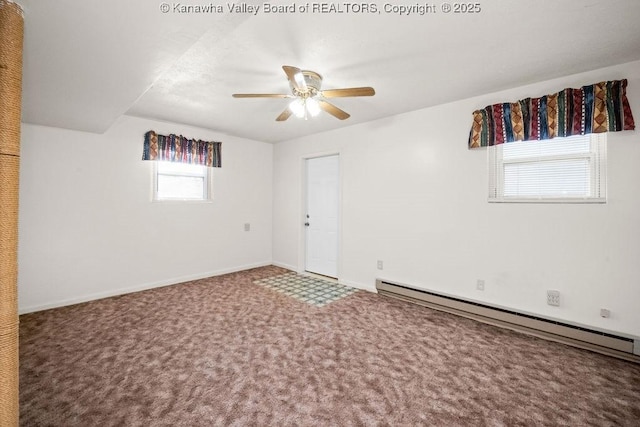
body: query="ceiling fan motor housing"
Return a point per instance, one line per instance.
(313, 81)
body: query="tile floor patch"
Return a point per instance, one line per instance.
(307, 289)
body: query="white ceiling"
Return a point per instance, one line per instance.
(87, 62)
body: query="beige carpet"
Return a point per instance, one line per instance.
(225, 351)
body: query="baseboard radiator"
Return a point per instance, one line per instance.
(612, 344)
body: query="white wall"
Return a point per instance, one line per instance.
(88, 228)
(415, 197)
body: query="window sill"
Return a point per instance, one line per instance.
(559, 200)
(181, 201)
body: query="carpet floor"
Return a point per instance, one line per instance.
(225, 351)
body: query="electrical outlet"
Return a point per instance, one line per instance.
(380, 267)
(480, 285)
(605, 313)
(553, 298)
(247, 226)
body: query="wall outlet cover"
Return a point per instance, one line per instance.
(553, 298)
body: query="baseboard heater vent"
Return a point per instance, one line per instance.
(612, 344)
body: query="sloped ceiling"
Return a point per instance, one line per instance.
(87, 62)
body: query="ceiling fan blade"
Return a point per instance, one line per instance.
(284, 115)
(333, 110)
(295, 76)
(352, 91)
(260, 95)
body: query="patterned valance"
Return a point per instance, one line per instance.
(602, 107)
(173, 148)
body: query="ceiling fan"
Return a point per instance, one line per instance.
(309, 99)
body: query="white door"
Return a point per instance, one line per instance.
(322, 216)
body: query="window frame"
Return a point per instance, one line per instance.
(597, 158)
(207, 182)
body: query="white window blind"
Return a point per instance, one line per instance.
(571, 169)
(180, 181)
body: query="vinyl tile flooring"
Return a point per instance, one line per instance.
(311, 290)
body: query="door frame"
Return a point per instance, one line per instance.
(302, 240)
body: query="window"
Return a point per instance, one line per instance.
(181, 181)
(560, 170)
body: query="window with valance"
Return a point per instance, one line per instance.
(552, 148)
(182, 167)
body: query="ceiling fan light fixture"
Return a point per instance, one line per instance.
(313, 107)
(297, 107)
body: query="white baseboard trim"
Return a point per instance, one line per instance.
(284, 265)
(138, 288)
(356, 285)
